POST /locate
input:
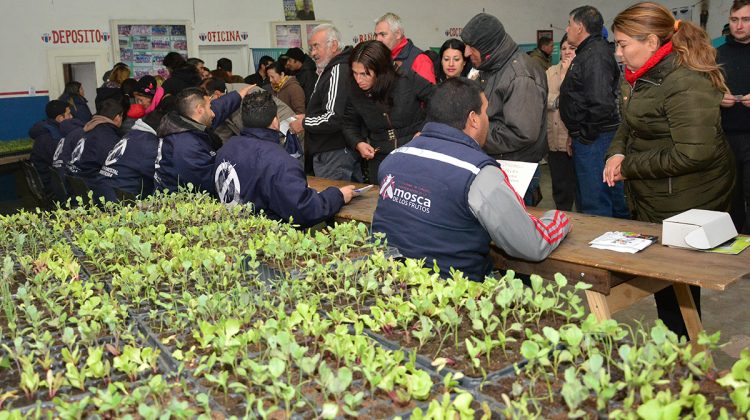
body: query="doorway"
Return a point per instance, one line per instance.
(239, 54)
(83, 65)
(85, 74)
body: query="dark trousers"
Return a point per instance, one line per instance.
(564, 184)
(740, 144)
(669, 310)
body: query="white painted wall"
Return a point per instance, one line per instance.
(22, 22)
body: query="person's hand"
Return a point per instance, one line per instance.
(296, 125)
(347, 192)
(569, 146)
(612, 170)
(565, 65)
(365, 150)
(728, 100)
(245, 90)
(746, 100)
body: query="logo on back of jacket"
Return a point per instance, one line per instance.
(56, 161)
(227, 183)
(76, 155)
(114, 155)
(405, 194)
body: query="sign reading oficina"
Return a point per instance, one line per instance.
(222, 36)
(75, 36)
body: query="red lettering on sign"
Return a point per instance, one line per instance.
(76, 36)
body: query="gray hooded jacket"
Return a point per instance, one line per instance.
(516, 89)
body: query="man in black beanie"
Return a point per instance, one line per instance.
(301, 66)
(516, 89)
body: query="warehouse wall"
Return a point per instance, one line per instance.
(24, 73)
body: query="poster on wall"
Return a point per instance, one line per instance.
(298, 10)
(292, 34)
(288, 36)
(143, 45)
(543, 33)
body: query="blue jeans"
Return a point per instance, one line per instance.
(595, 196)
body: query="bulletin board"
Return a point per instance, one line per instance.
(142, 44)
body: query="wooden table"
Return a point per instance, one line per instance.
(618, 279)
(4, 160)
(361, 208)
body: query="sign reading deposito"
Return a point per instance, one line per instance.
(75, 36)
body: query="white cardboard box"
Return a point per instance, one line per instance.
(697, 229)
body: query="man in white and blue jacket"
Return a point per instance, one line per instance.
(254, 168)
(444, 199)
(189, 145)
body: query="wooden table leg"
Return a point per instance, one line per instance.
(689, 313)
(598, 305)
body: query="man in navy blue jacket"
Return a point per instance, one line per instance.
(46, 134)
(72, 131)
(130, 165)
(99, 137)
(188, 146)
(254, 168)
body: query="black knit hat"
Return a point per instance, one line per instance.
(296, 54)
(55, 107)
(147, 86)
(483, 32)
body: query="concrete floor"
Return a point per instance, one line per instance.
(726, 311)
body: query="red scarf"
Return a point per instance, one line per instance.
(632, 76)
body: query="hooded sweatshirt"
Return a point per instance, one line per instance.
(90, 152)
(46, 134)
(516, 89)
(130, 164)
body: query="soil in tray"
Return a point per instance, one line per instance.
(375, 405)
(460, 357)
(555, 408)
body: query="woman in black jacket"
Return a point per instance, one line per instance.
(385, 108)
(74, 95)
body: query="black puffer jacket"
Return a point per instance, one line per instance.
(588, 94)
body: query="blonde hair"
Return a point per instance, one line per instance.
(689, 42)
(119, 74)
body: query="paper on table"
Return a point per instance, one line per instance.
(363, 189)
(519, 174)
(284, 125)
(731, 247)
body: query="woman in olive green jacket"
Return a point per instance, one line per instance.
(669, 148)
